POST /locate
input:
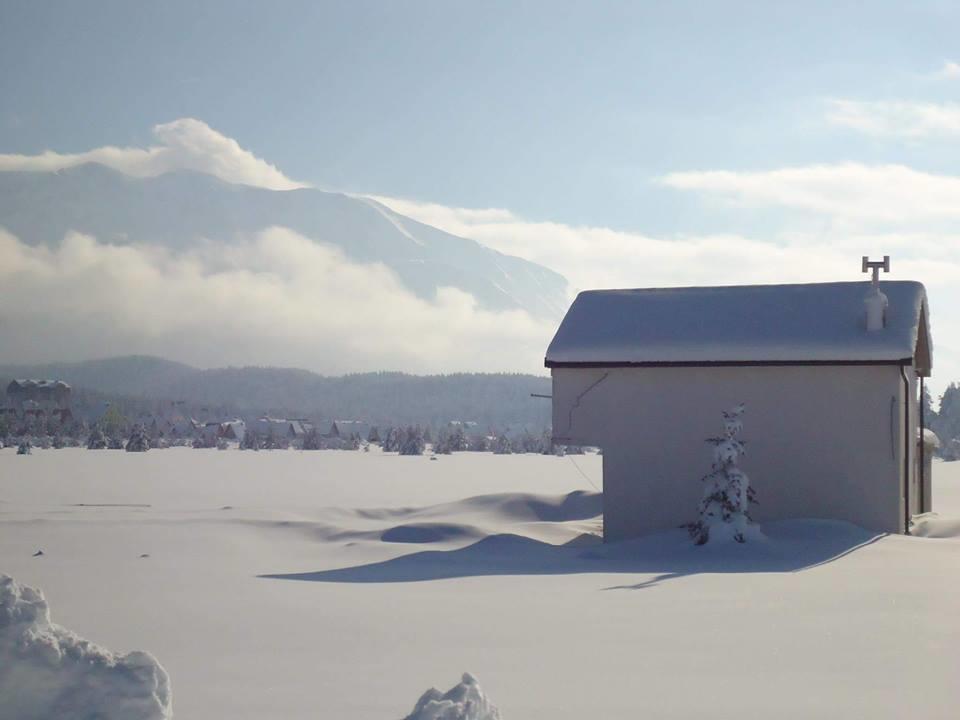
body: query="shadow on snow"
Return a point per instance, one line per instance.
(789, 546)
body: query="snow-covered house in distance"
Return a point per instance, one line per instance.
(829, 372)
(40, 399)
(282, 427)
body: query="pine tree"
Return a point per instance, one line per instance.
(725, 507)
(411, 441)
(139, 440)
(502, 445)
(946, 423)
(251, 441)
(96, 441)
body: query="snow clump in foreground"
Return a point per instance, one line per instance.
(46, 671)
(464, 701)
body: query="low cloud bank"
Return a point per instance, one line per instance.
(598, 257)
(47, 672)
(273, 298)
(464, 701)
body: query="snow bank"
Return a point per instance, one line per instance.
(933, 525)
(464, 701)
(46, 671)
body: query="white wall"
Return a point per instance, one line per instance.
(821, 441)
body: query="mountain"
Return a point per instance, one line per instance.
(178, 208)
(492, 400)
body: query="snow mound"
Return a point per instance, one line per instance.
(933, 525)
(46, 671)
(464, 701)
(428, 533)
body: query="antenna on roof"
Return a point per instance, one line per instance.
(875, 301)
(876, 266)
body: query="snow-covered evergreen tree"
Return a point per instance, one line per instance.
(725, 507)
(96, 441)
(312, 440)
(251, 441)
(502, 445)
(411, 441)
(139, 440)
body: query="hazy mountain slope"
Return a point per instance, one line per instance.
(495, 400)
(178, 208)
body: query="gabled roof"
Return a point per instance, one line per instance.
(749, 324)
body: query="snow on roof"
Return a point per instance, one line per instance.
(29, 384)
(818, 322)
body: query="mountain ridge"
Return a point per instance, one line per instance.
(177, 208)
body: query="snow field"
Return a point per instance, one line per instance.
(335, 584)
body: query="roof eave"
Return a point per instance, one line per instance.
(719, 363)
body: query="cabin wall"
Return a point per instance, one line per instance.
(822, 441)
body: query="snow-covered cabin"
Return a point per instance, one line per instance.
(832, 412)
(224, 429)
(282, 427)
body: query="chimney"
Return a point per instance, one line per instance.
(875, 301)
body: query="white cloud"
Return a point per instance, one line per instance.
(185, 144)
(46, 671)
(597, 257)
(873, 194)
(897, 119)
(949, 71)
(276, 298)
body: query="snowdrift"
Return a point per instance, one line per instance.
(46, 671)
(464, 701)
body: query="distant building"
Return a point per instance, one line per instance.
(39, 399)
(44, 394)
(347, 429)
(283, 427)
(225, 430)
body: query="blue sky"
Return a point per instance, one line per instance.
(622, 144)
(560, 111)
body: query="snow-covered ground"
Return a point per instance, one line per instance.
(342, 585)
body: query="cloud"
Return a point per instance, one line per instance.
(46, 671)
(897, 119)
(185, 144)
(598, 257)
(274, 298)
(873, 194)
(949, 71)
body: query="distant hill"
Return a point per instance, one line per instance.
(180, 208)
(495, 400)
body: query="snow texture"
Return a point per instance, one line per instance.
(820, 619)
(464, 701)
(760, 323)
(46, 671)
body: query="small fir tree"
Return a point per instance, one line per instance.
(502, 445)
(725, 507)
(411, 441)
(251, 441)
(139, 440)
(96, 441)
